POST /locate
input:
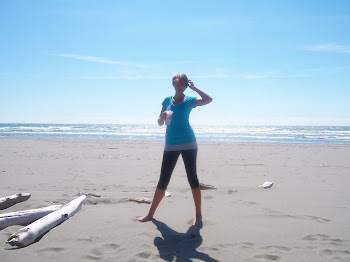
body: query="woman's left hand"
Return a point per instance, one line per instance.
(191, 84)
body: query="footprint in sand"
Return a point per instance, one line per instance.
(102, 251)
(50, 250)
(210, 249)
(278, 214)
(305, 248)
(103, 201)
(319, 219)
(246, 245)
(335, 253)
(266, 257)
(246, 203)
(324, 239)
(144, 255)
(281, 249)
(342, 255)
(215, 248)
(208, 197)
(315, 237)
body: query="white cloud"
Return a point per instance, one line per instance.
(215, 76)
(144, 76)
(254, 76)
(127, 77)
(98, 60)
(329, 47)
(244, 76)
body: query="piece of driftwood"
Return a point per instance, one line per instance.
(6, 202)
(204, 186)
(25, 217)
(140, 200)
(31, 233)
(266, 185)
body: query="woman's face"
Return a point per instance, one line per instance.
(180, 86)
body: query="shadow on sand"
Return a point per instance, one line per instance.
(181, 246)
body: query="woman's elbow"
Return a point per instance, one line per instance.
(209, 100)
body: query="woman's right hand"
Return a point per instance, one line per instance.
(164, 115)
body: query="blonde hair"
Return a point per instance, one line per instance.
(180, 77)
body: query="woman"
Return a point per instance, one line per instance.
(179, 139)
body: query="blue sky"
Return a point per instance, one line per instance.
(263, 62)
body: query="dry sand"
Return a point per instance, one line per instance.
(303, 217)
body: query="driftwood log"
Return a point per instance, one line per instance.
(33, 232)
(25, 217)
(138, 199)
(266, 185)
(204, 186)
(6, 202)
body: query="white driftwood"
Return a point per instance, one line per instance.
(204, 186)
(138, 199)
(29, 234)
(266, 185)
(25, 217)
(6, 202)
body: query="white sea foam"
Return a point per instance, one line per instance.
(297, 134)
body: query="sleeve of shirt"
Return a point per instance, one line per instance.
(191, 100)
(165, 102)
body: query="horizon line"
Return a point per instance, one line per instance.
(193, 124)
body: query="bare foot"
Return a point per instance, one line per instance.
(144, 219)
(197, 221)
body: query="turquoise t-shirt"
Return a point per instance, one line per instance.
(179, 131)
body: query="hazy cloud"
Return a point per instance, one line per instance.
(98, 60)
(329, 47)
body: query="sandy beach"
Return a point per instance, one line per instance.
(303, 217)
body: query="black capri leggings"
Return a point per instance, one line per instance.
(169, 161)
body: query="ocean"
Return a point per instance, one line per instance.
(284, 134)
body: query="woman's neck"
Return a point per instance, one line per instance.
(178, 96)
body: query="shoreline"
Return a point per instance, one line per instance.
(274, 134)
(162, 140)
(303, 217)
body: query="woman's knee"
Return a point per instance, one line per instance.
(162, 186)
(194, 183)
